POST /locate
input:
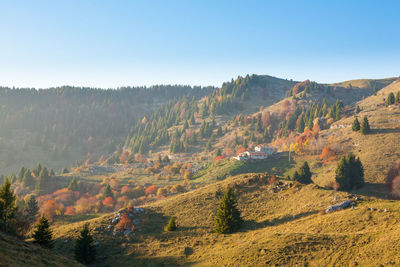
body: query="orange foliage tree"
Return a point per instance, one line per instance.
(327, 154)
(108, 202)
(151, 190)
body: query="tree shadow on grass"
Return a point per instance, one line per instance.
(252, 225)
(378, 190)
(384, 131)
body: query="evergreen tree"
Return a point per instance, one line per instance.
(42, 181)
(12, 178)
(304, 174)
(31, 208)
(28, 180)
(397, 100)
(73, 185)
(186, 125)
(358, 109)
(8, 208)
(365, 129)
(391, 99)
(356, 125)
(21, 173)
(37, 170)
(219, 131)
(85, 251)
(349, 173)
(171, 224)
(227, 219)
(108, 192)
(43, 235)
(300, 125)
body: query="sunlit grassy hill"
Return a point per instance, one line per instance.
(282, 228)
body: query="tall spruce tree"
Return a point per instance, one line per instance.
(42, 181)
(304, 174)
(73, 185)
(227, 219)
(356, 125)
(85, 251)
(31, 208)
(8, 208)
(365, 129)
(21, 173)
(108, 192)
(28, 180)
(42, 234)
(349, 173)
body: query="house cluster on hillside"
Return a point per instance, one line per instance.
(260, 152)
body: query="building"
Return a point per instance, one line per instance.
(265, 149)
(260, 153)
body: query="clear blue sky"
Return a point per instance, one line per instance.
(204, 42)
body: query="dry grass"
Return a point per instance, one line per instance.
(14, 252)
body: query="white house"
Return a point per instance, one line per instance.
(264, 149)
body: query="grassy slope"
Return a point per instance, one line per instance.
(14, 252)
(377, 150)
(284, 228)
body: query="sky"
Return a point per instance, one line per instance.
(109, 44)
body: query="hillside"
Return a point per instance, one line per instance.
(282, 228)
(14, 252)
(378, 150)
(61, 126)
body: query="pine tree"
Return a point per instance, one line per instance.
(304, 174)
(43, 235)
(73, 185)
(356, 125)
(227, 219)
(108, 192)
(85, 251)
(349, 173)
(42, 181)
(37, 170)
(31, 208)
(358, 109)
(28, 180)
(365, 129)
(397, 100)
(171, 224)
(21, 173)
(8, 208)
(391, 99)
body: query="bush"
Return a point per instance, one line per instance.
(171, 224)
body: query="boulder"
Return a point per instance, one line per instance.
(343, 205)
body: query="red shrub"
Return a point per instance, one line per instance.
(151, 190)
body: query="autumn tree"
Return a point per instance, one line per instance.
(43, 235)
(227, 219)
(85, 251)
